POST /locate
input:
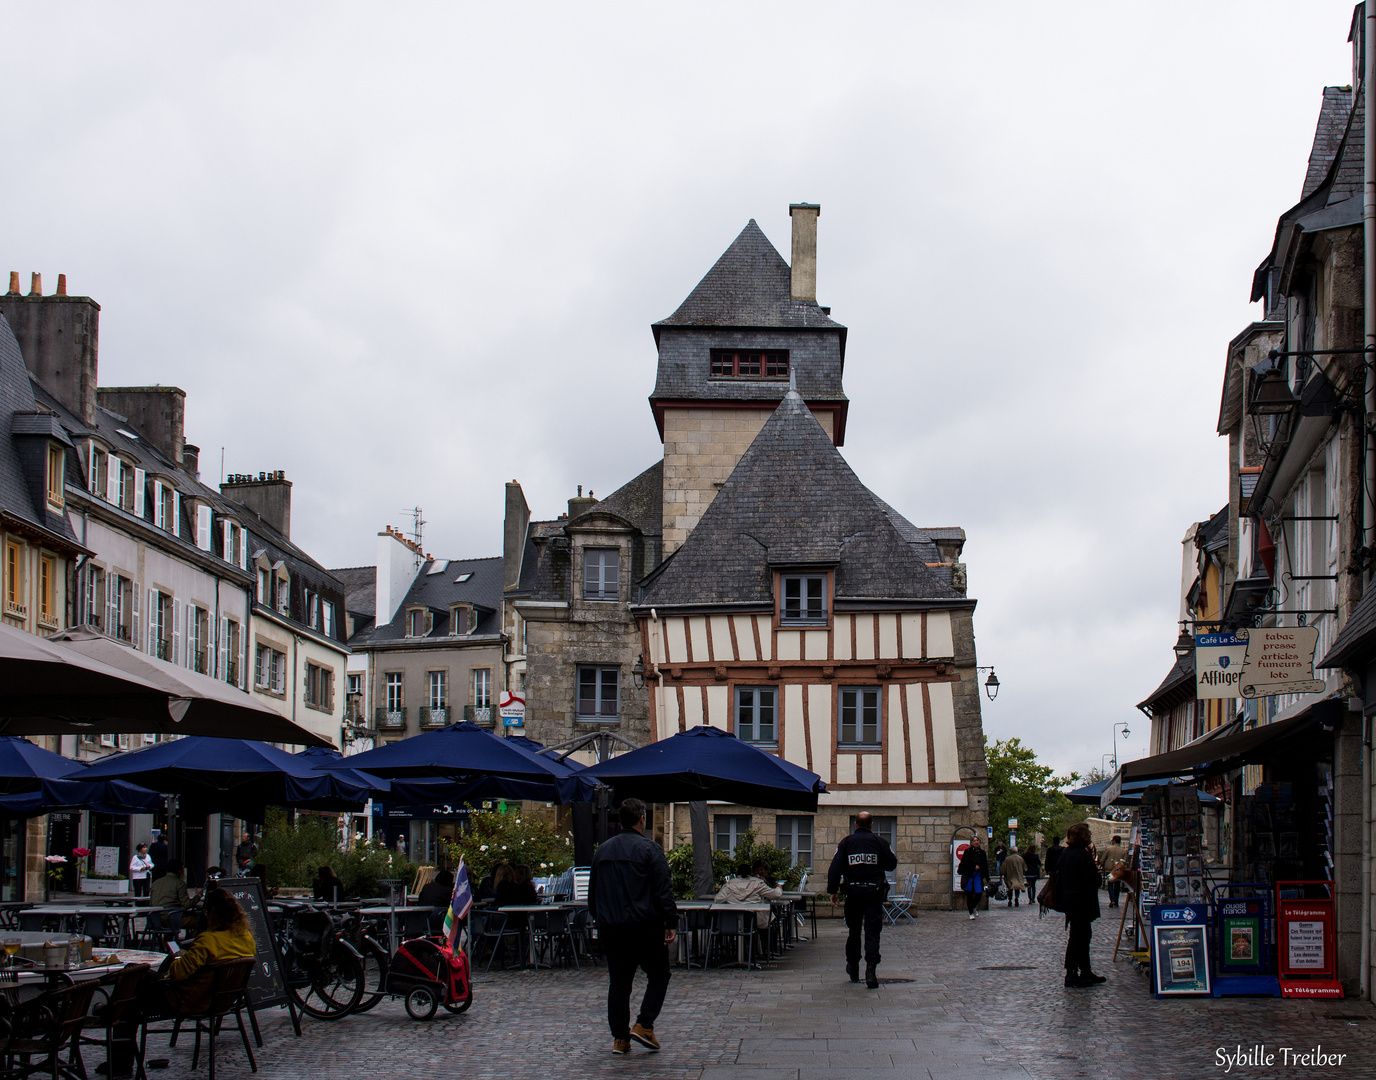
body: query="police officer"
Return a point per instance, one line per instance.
(861, 858)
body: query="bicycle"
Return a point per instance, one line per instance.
(322, 969)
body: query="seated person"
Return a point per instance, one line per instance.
(487, 888)
(752, 889)
(186, 978)
(170, 891)
(513, 887)
(438, 892)
(327, 886)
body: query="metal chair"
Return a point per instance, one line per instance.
(736, 926)
(160, 927)
(46, 1026)
(415, 923)
(896, 906)
(225, 993)
(96, 926)
(580, 926)
(118, 1017)
(696, 923)
(581, 876)
(549, 929)
(38, 922)
(491, 926)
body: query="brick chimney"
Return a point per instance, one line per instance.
(803, 275)
(268, 495)
(579, 504)
(514, 529)
(157, 415)
(58, 336)
(191, 459)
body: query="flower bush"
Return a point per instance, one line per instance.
(291, 855)
(516, 838)
(749, 850)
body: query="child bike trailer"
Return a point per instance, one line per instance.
(430, 974)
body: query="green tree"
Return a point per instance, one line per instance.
(512, 837)
(1021, 788)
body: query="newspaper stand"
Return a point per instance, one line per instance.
(1180, 950)
(1243, 932)
(1306, 944)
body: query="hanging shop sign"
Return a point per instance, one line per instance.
(1279, 660)
(512, 708)
(1180, 949)
(1306, 945)
(1218, 664)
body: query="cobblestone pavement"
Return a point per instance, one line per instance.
(969, 1000)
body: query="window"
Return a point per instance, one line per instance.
(417, 622)
(47, 590)
(458, 620)
(327, 618)
(482, 688)
(394, 696)
(160, 631)
(264, 586)
(794, 835)
(129, 479)
(231, 646)
(14, 581)
(319, 687)
(198, 639)
(97, 597)
(886, 828)
(438, 682)
(271, 670)
(311, 602)
(804, 598)
(234, 544)
(122, 608)
(859, 716)
(601, 574)
(598, 693)
(168, 503)
(56, 463)
(99, 473)
(354, 682)
(283, 599)
(750, 364)
(728, 830)
(755, 716)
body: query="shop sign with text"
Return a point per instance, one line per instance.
(1218, 662)
(1279, 660)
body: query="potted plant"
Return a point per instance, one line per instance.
(105, 884)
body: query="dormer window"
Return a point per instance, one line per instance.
(803, 599)
(418, 622)
(460, 620)
(750, 364)
(57, 461)
(99, 473)
(601, 574)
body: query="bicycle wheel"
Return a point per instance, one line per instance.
(333, 991)
(374, 979)
(460, 1006)
(421, 1003)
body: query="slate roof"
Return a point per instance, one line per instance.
(792, 501)
(1180, 675)
(437, 591)
(1328, 135)
(748, 286)
(1215, 531)
(360, 589)
(639, 502)
(545, 562)
(1356, 641)
(23, 477)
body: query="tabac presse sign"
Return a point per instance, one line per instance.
(1218, 664)
(1279, 660)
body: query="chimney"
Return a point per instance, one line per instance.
(579, 504)
(191, 459)
(61, 285)
(157, 414)
(514, 528)
(267, 494)
(36, 284)
(803, 276)
(397, 567)
(58, 336)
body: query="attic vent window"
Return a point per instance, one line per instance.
(462, 578)
(126, 434)
(439, 567)
(730, 364)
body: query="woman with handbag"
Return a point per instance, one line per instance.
(974, 872)
(1077, 892)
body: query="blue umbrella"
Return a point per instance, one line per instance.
(317, 755)
(1131, 794)
(103, 796)
(708, 763)
(464, 754)
(23, 765)
(238, 776)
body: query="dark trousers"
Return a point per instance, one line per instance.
(627, 948)
(864, 909)
(141, 886)
(1113, 889)
(1077, 945)
(1031, 890)
(972, 900)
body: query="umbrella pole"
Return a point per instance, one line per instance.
(704, 882)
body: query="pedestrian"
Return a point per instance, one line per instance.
(1014, 871)
(158, 852)
(1053, 855)
(862, 858)
(631, 900)
(1077, 888)
(327, 885)
(974, 873)
(1033, 872)
(1000, 853)
(1111, 857)
(246, 852)
(140, 866)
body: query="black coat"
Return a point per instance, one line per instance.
(861, 859)
(629, 884)
(1053, 856)
(973, 859)
(1034, 863)
(1077, 883)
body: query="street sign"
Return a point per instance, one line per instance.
(1218, 663)
(1012, 823)
(1279, 660)
(958, 850)
(512, 709)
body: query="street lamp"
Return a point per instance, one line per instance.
(638, 672)
(1184, 644)
(1126, 733)
(991, 684)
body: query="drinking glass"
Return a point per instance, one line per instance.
(11, 949)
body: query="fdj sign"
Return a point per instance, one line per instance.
(1218, 664)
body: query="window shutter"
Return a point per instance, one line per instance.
(227, 536)
(138, 492)
(157, 504)
(152, 621)
(203, 527)
(176, 632)
(222, 665)
(91, 466)
(112, 472)
(243, 657)
(111, 603)
(175, 525)
(243, 548)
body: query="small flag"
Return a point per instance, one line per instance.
(460, 904)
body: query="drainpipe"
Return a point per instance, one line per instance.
(1367, 722)
(1369, 469)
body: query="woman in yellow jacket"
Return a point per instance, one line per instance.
(226, 937)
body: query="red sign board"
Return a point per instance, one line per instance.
(1307, 946)
(958, 850)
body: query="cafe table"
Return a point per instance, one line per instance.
(124, 914)
(529, 909)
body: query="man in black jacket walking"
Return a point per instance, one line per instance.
(632, 902)
(862, 858)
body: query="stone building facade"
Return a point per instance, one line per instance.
(748, 580)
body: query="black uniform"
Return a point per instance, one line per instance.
(862, 858)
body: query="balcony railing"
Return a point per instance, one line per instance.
(391, 718)
(478, 714)
(434, 716)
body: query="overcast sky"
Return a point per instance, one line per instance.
(409, 252)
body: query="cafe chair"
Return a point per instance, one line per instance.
(737, 927)
(697, 935)
(207, 1005)
(552, 933)
(492, 927)
(160, 927)
(581, 876)
(119, 1014)
(43, 1029)
(580, 926)
(897, 905)
(38, 922)
(96, 926)
(415, 923)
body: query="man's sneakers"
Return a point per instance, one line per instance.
(871, 979)
(853, 970)
(645, 1037)
(621, 1046)
(972, 914)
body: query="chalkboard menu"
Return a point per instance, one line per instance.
(266, 986)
